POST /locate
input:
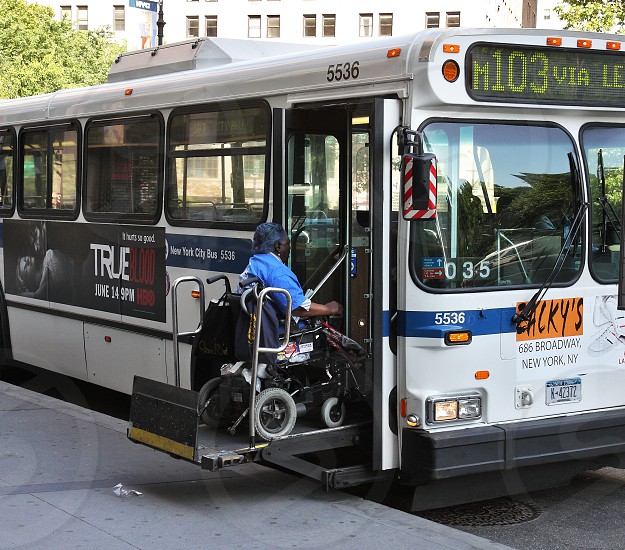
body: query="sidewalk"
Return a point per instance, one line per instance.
(59, 464)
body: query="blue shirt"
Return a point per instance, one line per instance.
(272, 272)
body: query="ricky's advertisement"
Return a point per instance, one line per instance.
(567, 336)
(103, 267)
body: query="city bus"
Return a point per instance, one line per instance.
(459, 191)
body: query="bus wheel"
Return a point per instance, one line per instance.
(274, 413)
(332, 414)
(209, 404)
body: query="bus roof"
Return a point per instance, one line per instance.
(222, 73)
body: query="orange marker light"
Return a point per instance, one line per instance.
(403, 406)
(482, 375)
(554, 41)
(451, 70)
(451, 48)
(584, 43)
(195, 294)
(393, 53)
(128, 91)
(458, 337)
(615, 46)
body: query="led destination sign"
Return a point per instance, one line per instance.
(545, 75)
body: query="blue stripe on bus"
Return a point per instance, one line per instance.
(222, 254)
(423, 324)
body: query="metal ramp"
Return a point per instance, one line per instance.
(167, 418)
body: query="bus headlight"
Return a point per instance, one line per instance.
(444, 409)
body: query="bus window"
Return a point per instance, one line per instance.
(505, 204)
(604, 148)
(49, 170)
(123, 159)
(217, 166)
(6, 171)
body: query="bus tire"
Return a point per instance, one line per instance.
(332, 414)
(209, 404)
(274, 413)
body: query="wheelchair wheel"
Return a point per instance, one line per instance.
(274, 413)
(212, 414)
(332, 415)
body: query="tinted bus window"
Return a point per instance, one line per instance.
(217, 166)
(122, 173)
(49, 170)
(7, 156)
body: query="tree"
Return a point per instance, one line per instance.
(39, 54)
(593, 15)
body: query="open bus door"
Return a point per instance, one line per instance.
(337, 191)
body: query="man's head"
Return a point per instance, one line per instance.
(271, 237)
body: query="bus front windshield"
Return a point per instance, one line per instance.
(604, 148)
(506, 201)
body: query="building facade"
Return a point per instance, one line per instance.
(300, 21)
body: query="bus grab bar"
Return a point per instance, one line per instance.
(310, 293)
(257, 349)
(174, 318)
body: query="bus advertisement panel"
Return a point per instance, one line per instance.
(96, 266)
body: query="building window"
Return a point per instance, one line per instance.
(547, 14)
(66, 11)
(432, 20)
(83, 18)
(119, 18)
(366, 24)
(310, 25)
(253, 26)
(453, 18)
(193, 26)
(329, 25)
(386, 24)
(211, 25)
(273, 26)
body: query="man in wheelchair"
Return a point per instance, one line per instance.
(316, 369)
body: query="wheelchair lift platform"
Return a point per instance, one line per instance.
(167, 418)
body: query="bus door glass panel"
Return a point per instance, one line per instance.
(217, 163)
(360, 253)
(604, 148)
(313, 211)
(505, 203)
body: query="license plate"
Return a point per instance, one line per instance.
(563, 391)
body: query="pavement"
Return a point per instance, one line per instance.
(61, 467)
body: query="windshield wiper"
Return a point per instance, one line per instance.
(609, 214)
(570, 240)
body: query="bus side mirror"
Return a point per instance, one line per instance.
(419, 178)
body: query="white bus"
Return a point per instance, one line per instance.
(487, 305)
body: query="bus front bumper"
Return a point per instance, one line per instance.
(427, 456)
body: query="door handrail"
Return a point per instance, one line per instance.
(258, 349)
(310, 293)
(174, 318)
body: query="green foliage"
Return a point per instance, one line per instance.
(593, 15)
(39, 54)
